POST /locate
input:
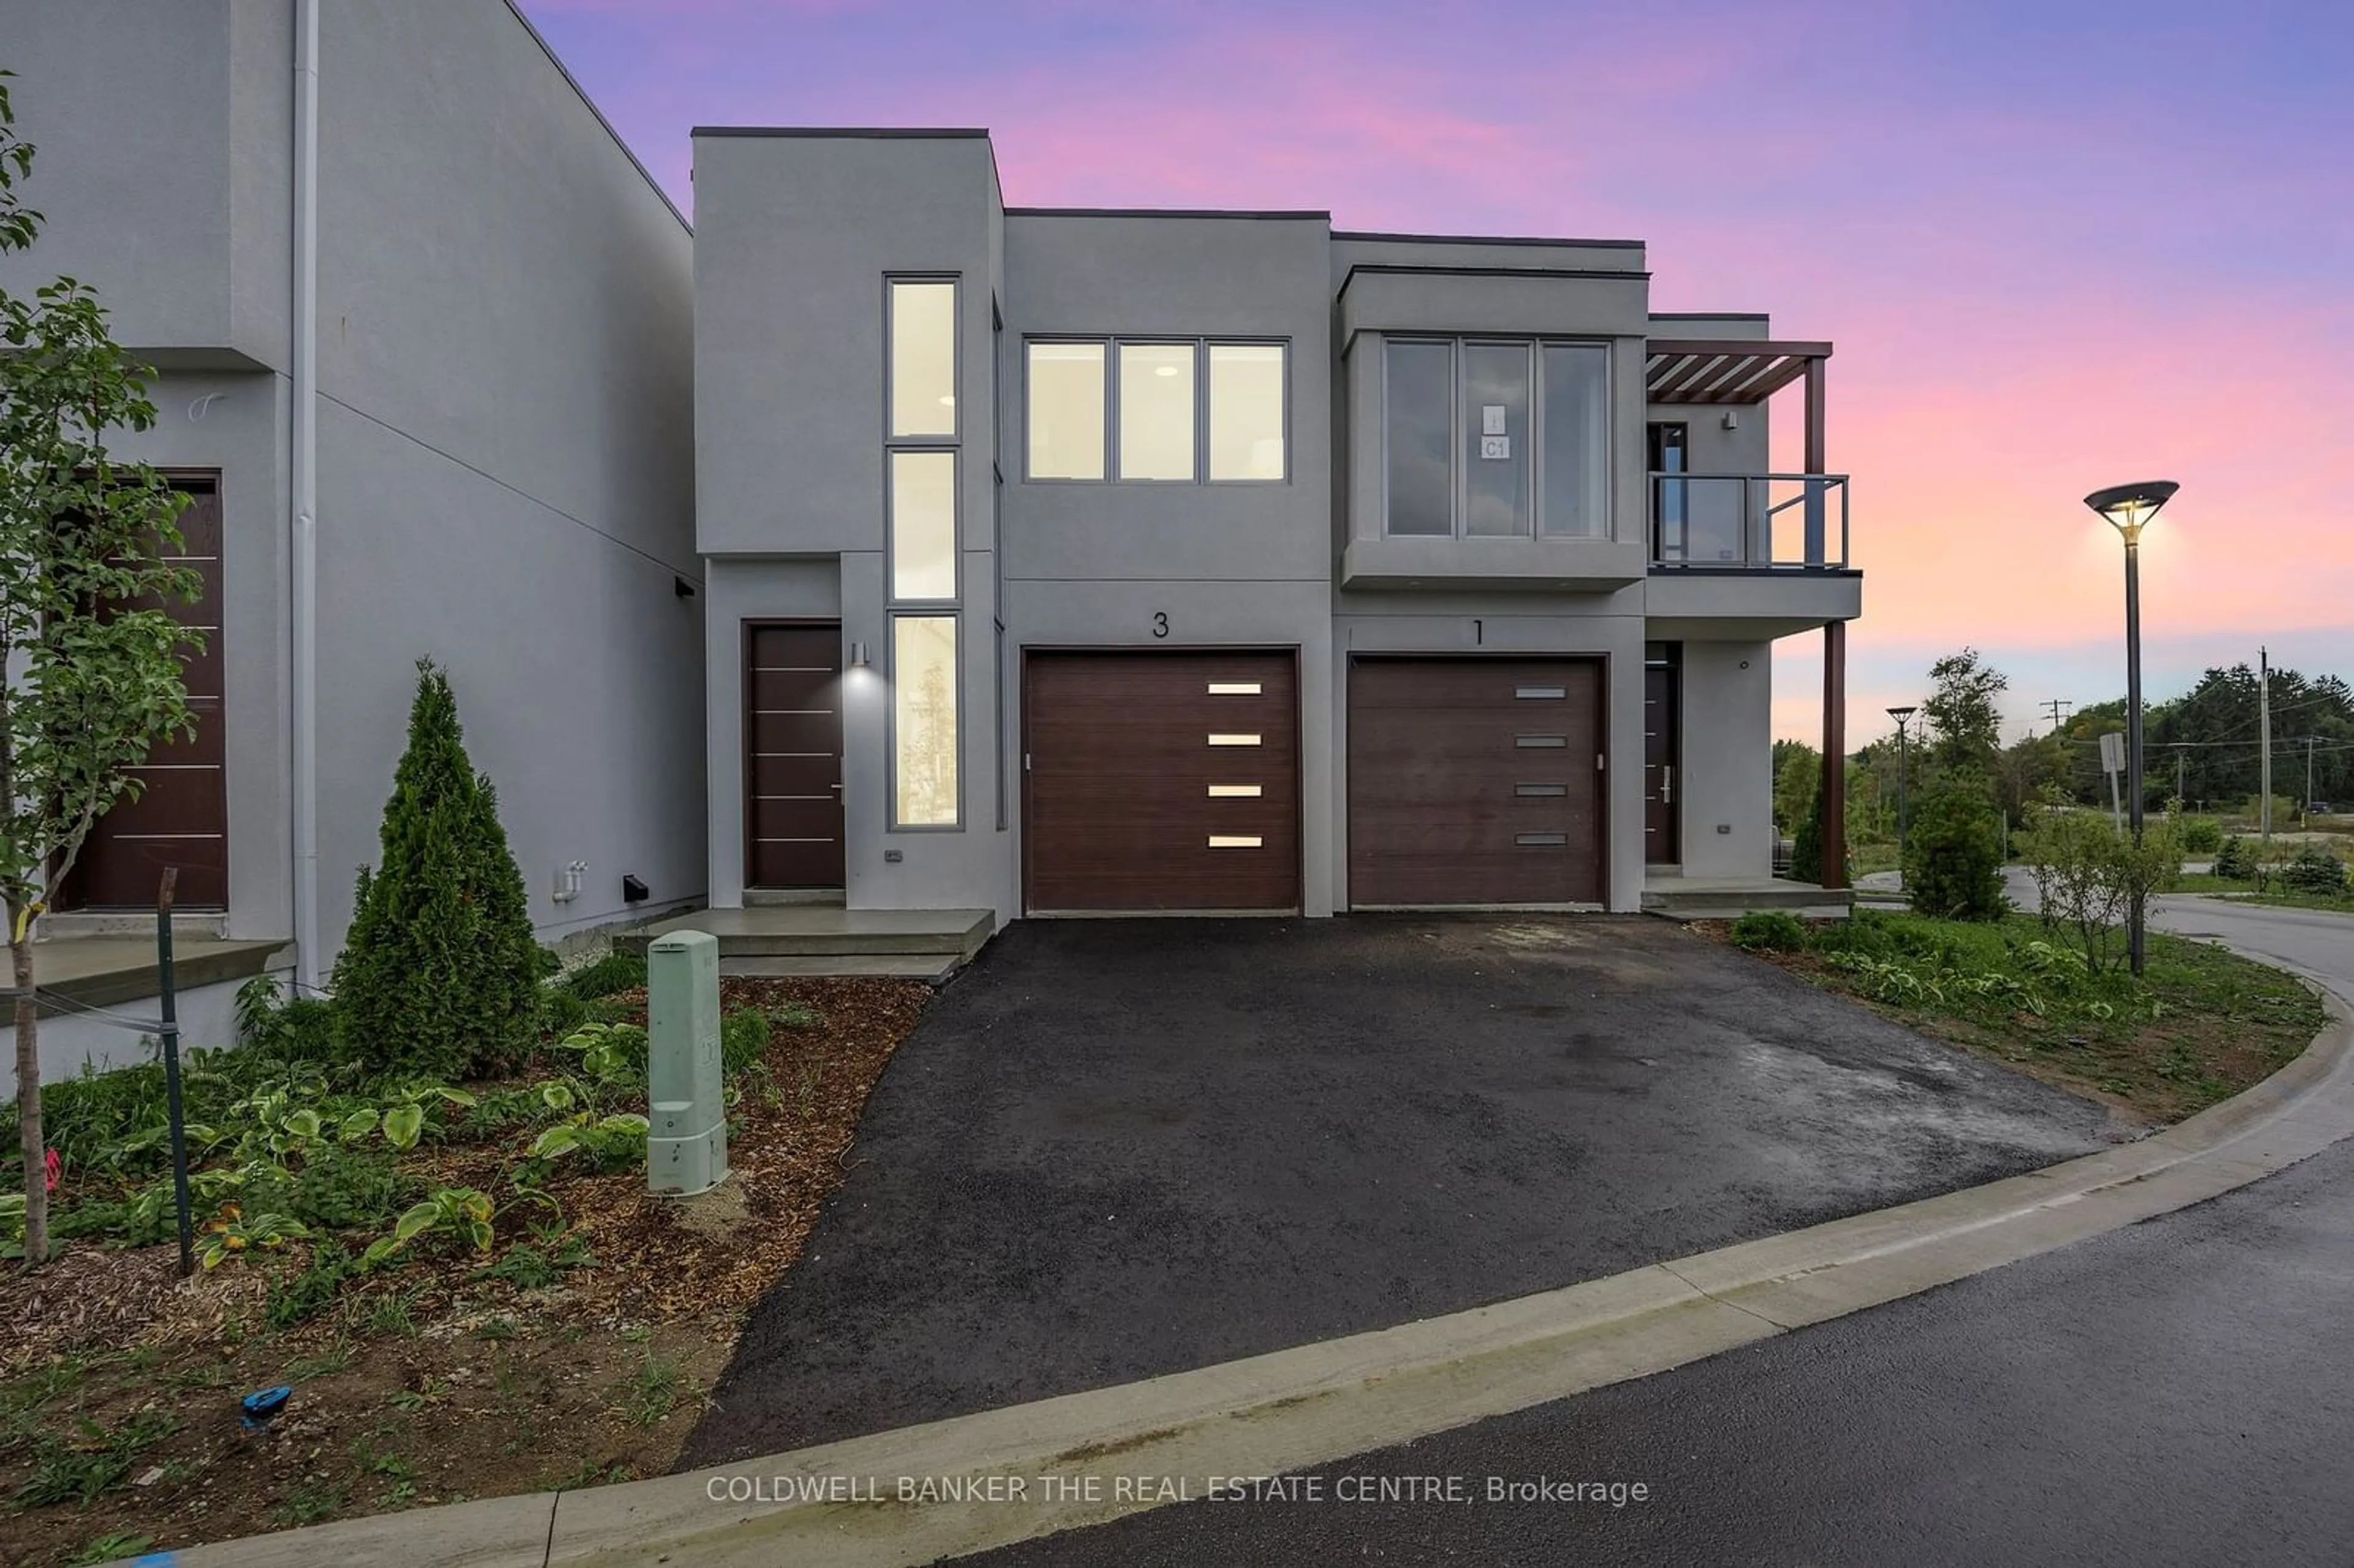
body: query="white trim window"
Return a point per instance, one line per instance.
(1495, 437)
(923, 548)
(1148, 410)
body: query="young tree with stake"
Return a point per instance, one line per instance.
(90, 675)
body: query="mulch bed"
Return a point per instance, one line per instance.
(485, 1389)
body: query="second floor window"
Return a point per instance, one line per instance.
(1143, 410)
(1488, 439)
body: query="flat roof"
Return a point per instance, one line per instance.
(941, 133)
(1305, 215)
(1486, 239)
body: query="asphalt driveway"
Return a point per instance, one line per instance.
(1118, 1148)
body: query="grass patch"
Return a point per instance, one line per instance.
(2247, 892)
(2202, 1025)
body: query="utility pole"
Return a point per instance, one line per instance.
(2264, 729)
(2055, 704)
(2305, 807)
(2179, 756)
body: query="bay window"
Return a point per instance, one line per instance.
(1496, 438)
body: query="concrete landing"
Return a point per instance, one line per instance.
(1730, 898)
(821, 939)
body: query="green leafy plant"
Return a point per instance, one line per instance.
(2090, 878)
(2235, 861)
(440, 973)
(608, 976)
(76, 1468)
(2201, 835)
(1769, 930)
(608, 1054)
(459, 1213)
(231, 1232)
(95, 679)
(2315, 871)
(1952, 853)
(743, 1040)
(604, 1144)
(112, 1547)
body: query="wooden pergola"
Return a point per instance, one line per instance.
(1686, 371)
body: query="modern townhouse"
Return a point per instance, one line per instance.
(424, 334)
(1080, 562)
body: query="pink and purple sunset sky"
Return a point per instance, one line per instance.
(2058, 245)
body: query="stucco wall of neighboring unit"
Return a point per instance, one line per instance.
(505, 480)
(578, 669)
(127, 102)
(72, 1042)
(1726, 779)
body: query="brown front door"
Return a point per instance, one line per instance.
(1663, 840)
(792, 756)
(1475, 782)
(1161, 780)
(181, 817)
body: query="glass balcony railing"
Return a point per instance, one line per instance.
(1755, 522)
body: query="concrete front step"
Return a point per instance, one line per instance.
(932, 968)
(813, 931)
(1730, 901)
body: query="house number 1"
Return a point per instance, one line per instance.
(1160, 623)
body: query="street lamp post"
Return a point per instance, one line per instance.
(1899, 715)
(2129, 508)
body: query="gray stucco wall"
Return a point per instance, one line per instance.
(506, 435)
(505, 478)
(795, 240)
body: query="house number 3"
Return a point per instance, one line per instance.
(1160, 623)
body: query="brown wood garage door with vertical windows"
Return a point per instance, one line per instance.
(1475, 782)
(181, 817)
(792, 756)
(1161, 780)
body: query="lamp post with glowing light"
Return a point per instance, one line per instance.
(2129, 508)
(1899, 715)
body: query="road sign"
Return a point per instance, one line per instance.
(2113, 752)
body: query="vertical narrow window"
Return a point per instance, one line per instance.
(923, 359)
(1065, 413)
(1156, 410)
(1419, 414)
(923, 525)
(924, 720)
(1496, 499)
(1246, 411)
(1578, 440)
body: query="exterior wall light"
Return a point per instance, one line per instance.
(858, 655)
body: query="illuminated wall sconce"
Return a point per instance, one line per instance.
(1732, 419)
(858, 655)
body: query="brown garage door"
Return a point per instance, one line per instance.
(181, 818)
(1161, 780)
(1475, 782)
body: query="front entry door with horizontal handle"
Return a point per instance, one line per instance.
(1661, 839)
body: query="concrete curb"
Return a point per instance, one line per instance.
(1085, 1458)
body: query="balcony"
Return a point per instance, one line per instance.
(1749, 523)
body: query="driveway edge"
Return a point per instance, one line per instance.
(1060, 1464)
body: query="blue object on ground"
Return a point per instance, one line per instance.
(263, 1407)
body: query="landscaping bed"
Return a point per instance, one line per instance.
(569, 1339)
(2200, 1025)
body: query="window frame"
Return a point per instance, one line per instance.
(1201, 344)
(955, 280)
(890, 594)
(1458, 476)
(954, 615)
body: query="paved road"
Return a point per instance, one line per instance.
(1117, 1149)
(2177, 1393)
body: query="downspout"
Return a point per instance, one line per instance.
(303, 546)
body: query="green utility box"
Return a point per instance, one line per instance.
(686, 1136)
